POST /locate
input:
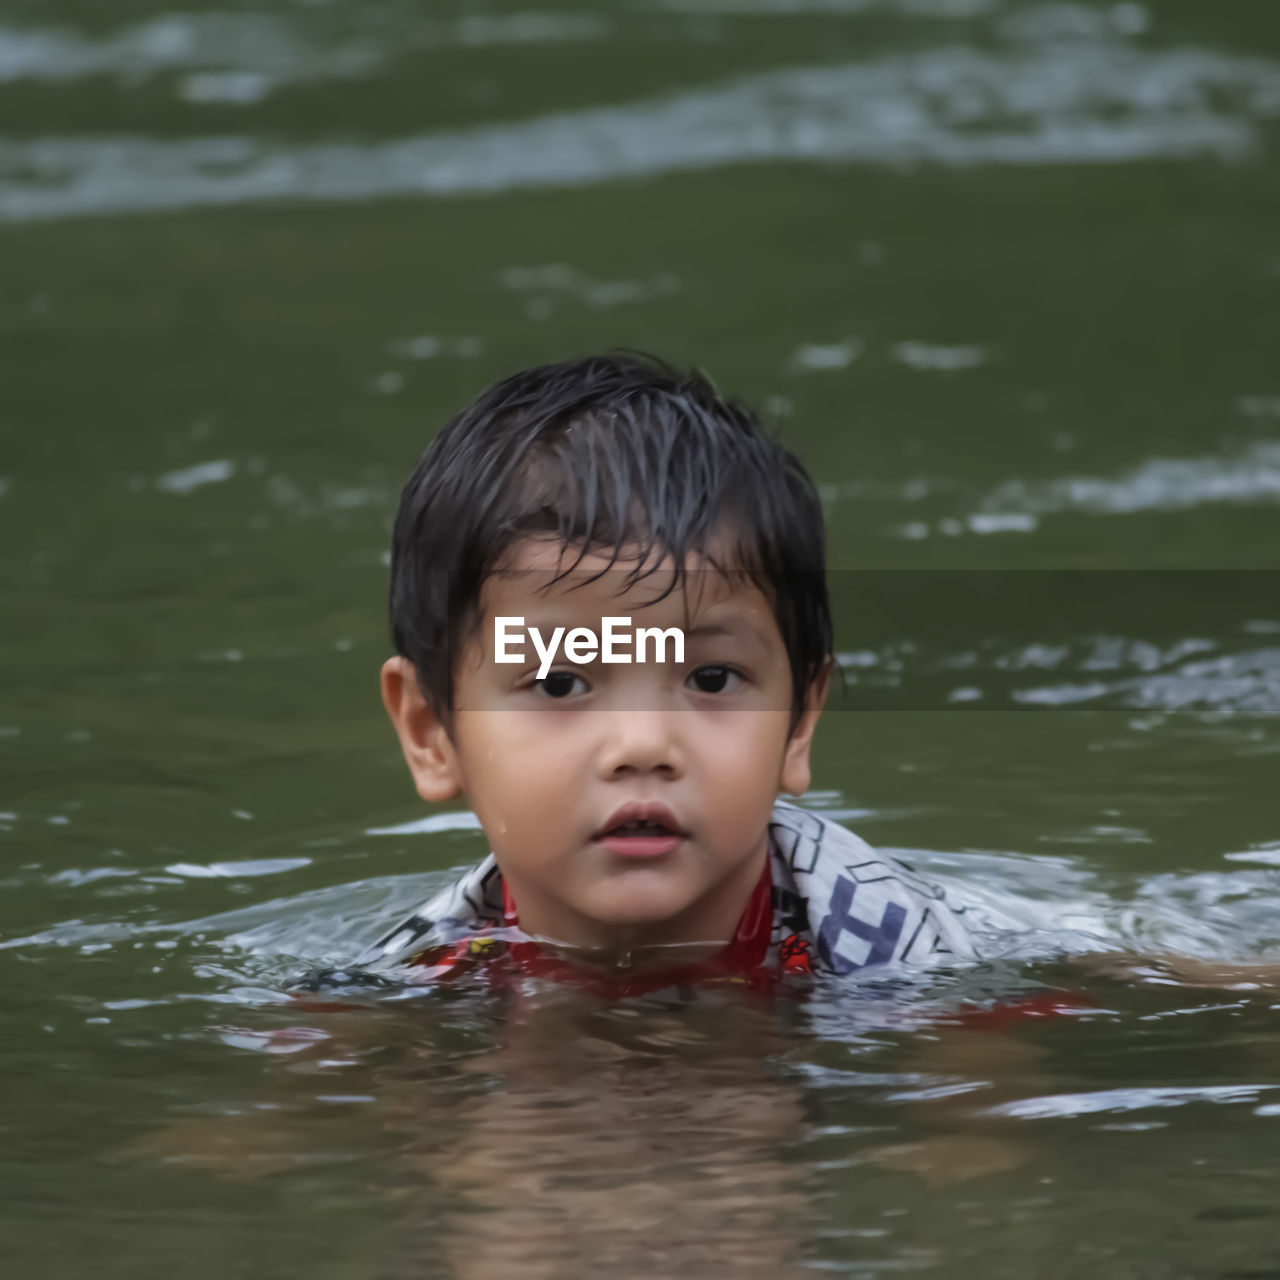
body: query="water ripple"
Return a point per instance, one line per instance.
(1249, 477)
(1058, 1106)
(240, 58)
(1092, 102)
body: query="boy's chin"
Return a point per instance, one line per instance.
(649, 908)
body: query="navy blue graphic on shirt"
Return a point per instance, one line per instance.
(883, 937)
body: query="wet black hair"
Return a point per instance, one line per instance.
(617, 453)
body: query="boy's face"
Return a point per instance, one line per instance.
(699, 749)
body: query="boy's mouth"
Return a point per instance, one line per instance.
(641, 830)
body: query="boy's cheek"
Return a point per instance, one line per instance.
(744, 763)
(748, 739)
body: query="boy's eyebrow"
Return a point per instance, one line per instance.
(730, 627)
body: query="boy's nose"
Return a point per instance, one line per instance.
(641, 742)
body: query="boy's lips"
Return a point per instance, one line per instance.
(641, 831)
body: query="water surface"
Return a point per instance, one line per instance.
(1006, 273)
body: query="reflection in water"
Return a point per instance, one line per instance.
(625, 1142)
(629, 1151)
(557, 1137)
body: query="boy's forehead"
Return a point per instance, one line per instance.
(543, 572)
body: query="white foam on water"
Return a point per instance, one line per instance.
(234, 870)
(821, 357)
(1267, 855)
(1192, 676)
(196, 477)
(247, 43)
(982, 522)
(1249, 477)
(461, 820)
(1084, 103)
(1059, 22)
(1245, 478)
(934, 358)
(1141, 1098)
(240, 58)
(426, 346)
(1260, 406)
(557, 279)
(954, 9)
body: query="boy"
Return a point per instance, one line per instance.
(630, 805)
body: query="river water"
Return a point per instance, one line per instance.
(1007, 275)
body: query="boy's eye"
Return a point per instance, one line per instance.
(714, 678)
(561, 684)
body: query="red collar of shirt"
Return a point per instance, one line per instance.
(740, 958)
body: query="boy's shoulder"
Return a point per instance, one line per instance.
(852, 908)
(839, 907)
(471, 904)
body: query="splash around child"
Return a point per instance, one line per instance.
(632, 808)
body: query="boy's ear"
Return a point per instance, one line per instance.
(426, 746)
(796, 774)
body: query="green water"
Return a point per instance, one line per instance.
(1007, 273)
